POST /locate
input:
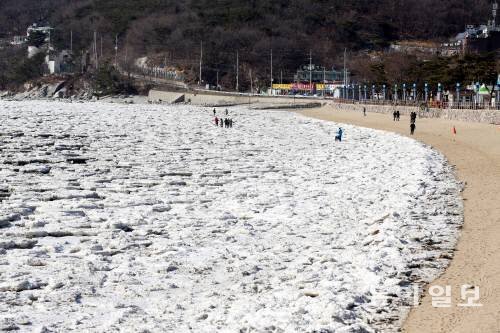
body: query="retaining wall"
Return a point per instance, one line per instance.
(223, 99)
(478, 116)
(206, 98)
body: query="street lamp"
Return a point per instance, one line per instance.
(426, 89)
(458, 94)
(477, 92)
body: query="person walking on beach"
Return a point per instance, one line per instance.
(338, 136)
(216, 121)
(230, 123)
(214, 112)
(412, 128)
(398, 115)
(221, 122)
(227, 112)
(364, 111)
(394, 115)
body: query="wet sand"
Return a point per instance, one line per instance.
(475, 152)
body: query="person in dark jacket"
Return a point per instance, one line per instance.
(412, 128)
(338, 136)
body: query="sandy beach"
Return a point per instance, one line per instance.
(475, 152)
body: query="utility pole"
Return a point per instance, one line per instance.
(281, 76)
(95, 50)
(217, 87)
(324, 81)
(201, 60)
(71, 41)
(345, 68)
(310, 70)
(116, 51)
(271, 88)
(126, 52)
(237, 70)
(251, 87)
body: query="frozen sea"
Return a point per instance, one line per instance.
(148, 218)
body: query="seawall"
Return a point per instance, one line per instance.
(221, 99)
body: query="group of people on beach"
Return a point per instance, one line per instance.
(223, 122)
(396, 115)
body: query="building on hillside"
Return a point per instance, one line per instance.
(59, 62)
(46, 43)
(475, 39)
(46, 30)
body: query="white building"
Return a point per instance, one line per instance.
(35, 28)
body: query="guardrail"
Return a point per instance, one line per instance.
(422, 104)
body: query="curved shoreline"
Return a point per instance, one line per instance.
(475, 153)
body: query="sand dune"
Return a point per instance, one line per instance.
(475, 151)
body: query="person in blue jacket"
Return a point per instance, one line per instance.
(338, 137)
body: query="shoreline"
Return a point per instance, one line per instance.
(475, 154)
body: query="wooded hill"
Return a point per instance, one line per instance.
(175, 28)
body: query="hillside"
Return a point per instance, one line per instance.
(175, 28)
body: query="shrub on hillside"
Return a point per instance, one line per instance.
(108, 81)
(16, 69)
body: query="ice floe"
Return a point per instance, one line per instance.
(150, 218)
